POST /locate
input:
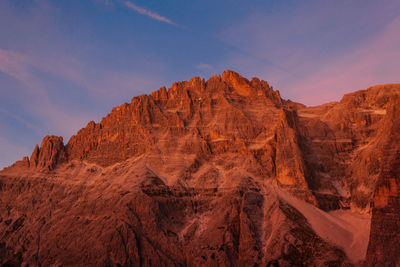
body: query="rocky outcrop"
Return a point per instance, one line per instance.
(44, 158)
(50, 153)
(218, 172)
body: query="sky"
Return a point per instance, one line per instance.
(64, 63)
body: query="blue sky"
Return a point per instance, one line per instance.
(64, 63)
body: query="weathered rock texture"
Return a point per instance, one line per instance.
(384, 246)
(218, 172)
(51, 153)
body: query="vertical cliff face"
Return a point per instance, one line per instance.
(224, 112)
(384, 245)
(216, 172)
(203, 121)
(51, 152)
(343, 146)
(291, 170)
(46, 157)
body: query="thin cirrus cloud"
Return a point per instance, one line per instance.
(13, 64)
(149, 13)
(311, 64)
(372, 63)
(101, 85)
(204, 67)
(21, 120)
(39, 113)
(35, 98)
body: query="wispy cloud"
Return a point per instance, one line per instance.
(309, 60)
(204, 67)
(49, 87)
(21, 120)
(101, 85)
(13, 64)
(149, 13)
(375, 62)
(36, 98)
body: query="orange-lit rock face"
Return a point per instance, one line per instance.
(50, 153)
(199, 120)
(189, 109)
(204, 173)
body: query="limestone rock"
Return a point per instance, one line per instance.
(384, 245)
(50, 153)
(220, 172)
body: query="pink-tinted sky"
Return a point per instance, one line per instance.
(64, 63)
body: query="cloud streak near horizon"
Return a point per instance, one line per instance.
(149, 13)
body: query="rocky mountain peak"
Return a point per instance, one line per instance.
(223, 169)
(206, 109)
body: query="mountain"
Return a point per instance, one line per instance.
(216, 172)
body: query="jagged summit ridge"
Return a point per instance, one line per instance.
(216, 172)
(205, 120)
(200, 120)
(188, 107)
